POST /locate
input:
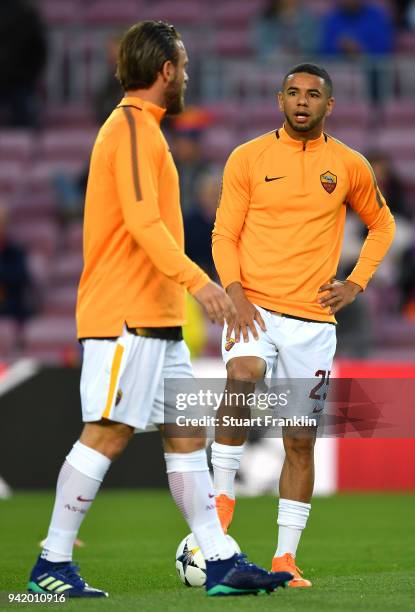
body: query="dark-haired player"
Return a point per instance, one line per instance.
(131, 306)
(276, 245)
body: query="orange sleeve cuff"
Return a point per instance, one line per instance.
(358, 280)
(225, 256)
(201, 281)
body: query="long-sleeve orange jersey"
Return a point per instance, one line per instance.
(135, 269)
(280, 221)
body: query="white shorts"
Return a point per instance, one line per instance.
(123, 379)
(291, 349)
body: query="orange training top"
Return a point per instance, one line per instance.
(135, 269)
(279, 225)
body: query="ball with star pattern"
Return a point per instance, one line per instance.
(190, 564)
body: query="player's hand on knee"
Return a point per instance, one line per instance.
(338, 294)
(218, 305)
(246, 315)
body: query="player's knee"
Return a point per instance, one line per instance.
(299, 450)
(107, 438)
(115, 446)
(183, 445)
(250, 369)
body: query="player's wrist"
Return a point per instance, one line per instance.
(235, 290)
(354, 286)
(202, 281)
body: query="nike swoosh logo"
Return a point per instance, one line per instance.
(210, 495)
(81, 499)
(316, 409)
(274, 178)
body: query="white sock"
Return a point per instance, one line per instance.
(191, 488)
(78, 483)
(292, 519)
(226, 460)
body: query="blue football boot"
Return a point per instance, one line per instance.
(237, 576)
(60, 579)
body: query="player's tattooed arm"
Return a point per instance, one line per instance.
(246, 314)
(338, 294)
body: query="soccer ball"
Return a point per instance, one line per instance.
(190, 564)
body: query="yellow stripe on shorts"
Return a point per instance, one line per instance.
(115, 368)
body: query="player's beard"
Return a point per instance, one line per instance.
(306, 127)
(174, 98)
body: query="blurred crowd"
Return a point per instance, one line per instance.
(349, 29)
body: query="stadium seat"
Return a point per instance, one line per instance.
(226, 112)
(410, 194)
(73, 237)
(395, 331)
(15, 145)
(395, 354)
(38, 178)
(11, 173)
(66, 269)
(51, 339)
(66, 144)
(115, 14)
(57, 355)
(60, 12)
(352, 137)
(39, 267)
(233, 43)
(263, 116)
(400, 113)
(178, 11)
(251, 131)
(8, 336)
(350, 82)
(399, 142)
(354, 113)
(26, 206)
(70, 115)
(217, 143)
(232, 13)
(47, 331)
(40, 235)
(405, 168)
(61, 301)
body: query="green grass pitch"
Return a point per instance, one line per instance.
(359, 550)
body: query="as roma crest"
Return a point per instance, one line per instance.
(329, 181)
(229, 344)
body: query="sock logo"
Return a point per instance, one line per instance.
(211, 496)
(82, 499)
(74, 509)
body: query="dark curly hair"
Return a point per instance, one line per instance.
(312, 69)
